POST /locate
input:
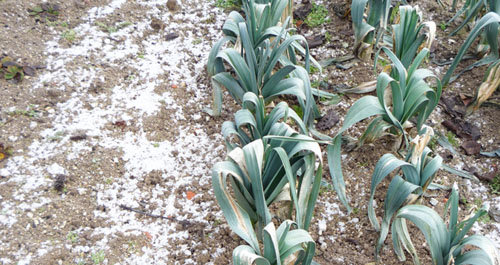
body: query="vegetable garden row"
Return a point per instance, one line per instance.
(268, 186)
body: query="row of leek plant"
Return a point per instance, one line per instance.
(266, 177)
(409, 97)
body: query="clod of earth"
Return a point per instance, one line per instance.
(327, 122)
(173, 5)
(171, 36)
(315, 41)
(59, 182)
(471, 147)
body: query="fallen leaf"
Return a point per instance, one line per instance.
(329, 120)
(174, 86)
(148, 235)
(28, 70)
(471, 147)
(190, 194)
(5, 152)
(171, 36)
(301, 12)
(488, 176)
(315, 41)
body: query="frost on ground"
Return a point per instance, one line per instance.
(151, 65)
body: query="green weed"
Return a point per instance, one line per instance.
(98, 257)
(318, 16)
(72, 237)
(495, 185)
(452, 138)
(69, 35)
(228, 4)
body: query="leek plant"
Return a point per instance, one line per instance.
(408, 38)
(369, 30)
(260, 44)
(419, 169)
(411, 97)
(253, 122)
(489, 23)
(448, 244)
(262, 173)
(280, 246)
(471, 10)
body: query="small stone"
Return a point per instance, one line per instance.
(324, 246)
(355, 220)
(59, 182)
(433, 202)
(494, 210)
(172, 5)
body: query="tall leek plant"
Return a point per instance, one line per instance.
(370, 29)
(419, 170)
(411, 98)
(262, 173)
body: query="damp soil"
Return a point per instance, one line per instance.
(86, 194)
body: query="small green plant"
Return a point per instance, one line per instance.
(57, 136)
(98, 257)
(30, 112)
(45, 12)
(69, 35)
(228, 4)
(317, 16)
(196, 41)
(10, 69)
(433, 142)
(72, 237)
(495, 185)
(443, 26)
(328, 37)
(452, 139)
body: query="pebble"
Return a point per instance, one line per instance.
(433, 202)
(494, 210)
(172, 5)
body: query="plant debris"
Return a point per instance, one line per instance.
(471, 147)
(301, 12)
(315, 41)
(327, 122)
(11, 70)
(5, 152)
(463, 129)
